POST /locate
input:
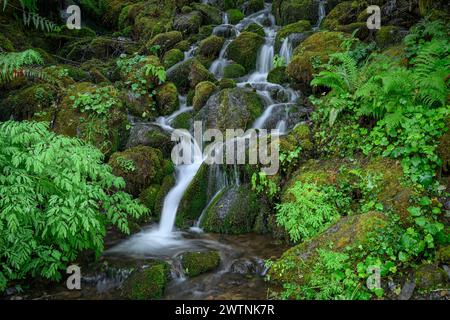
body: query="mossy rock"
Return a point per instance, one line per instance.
(149, 195)
(235, 15)
(255, 28)
(211, 14)
(183, 121)
(290, 11)
(166, 185)
(350, 231)
(300, 136)
(388, 36)
(150, 18)
(194, 199)
(139, 166)
(278, 75)
(252, 6)
(443, 151)
(167, 98)
(197, 262)
(183, 45)
(342, 14)
(6, 44)
(244, 49)
(296, 27)
(235, 108)
(226, 83)
(108, 131)
(443, 255)
(188, 23)
(234, 70)
(211, 46)
(188, 74)
(172, 57)
(203, 91)
(148, 283)
(135, 72)
(23, 104)
(165, 40)
(233, 211)
(430, 277)
(316, 47)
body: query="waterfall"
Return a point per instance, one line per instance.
(225, 18)
(322, 14)
(286, 50)
(220, 63)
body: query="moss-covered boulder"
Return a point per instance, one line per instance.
(148, 283)
(172, 57)
(211, 14)
(234, 70)
(149, 195)
(167, 98)
(183, 45)
(316, 47)
(211, 46)
(140, 167)
(389, 36)
(255, 28)
(167, 184)
(197, 262)
(25, 103)
(183, 121)
(290, 11)
(244, 49)
(296, 265)
(278, 75)
(430, 277)
(165, 40)
(188, 74)
(231, 108)
(233, 211)
(203, 91)
(252, 6)
(194, 199)
(343, 13)
(293, 28)
(226, 83)
(188, 23)
(235, 15)
(94, 113)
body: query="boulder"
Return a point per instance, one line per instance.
(172, 57)
(198, 262)
(244, 49)
(234, 70)
(211, 46)
(165, 40)
(147, 283)
(298, 27)
(211, 14)
(203, 91)
(188, 74)
(167, 99)
(188, 23)
(290, 11)
(235, 15)
(252, 6)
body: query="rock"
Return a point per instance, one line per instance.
(278, 75)
(290, 11)
(150, 135)
(298, 27)
(245, 266)
(149, 18)
(183, 121)
(194, 199)
(149, 195)
(231, 108)
(234, 70)
(211, 15)
(343, 13)
(211, 46)
(296, 264)
(255, 28)
(166, 40)
(147, 283)
(172, 57)
(430, 276)
(244, 49)
(166, 185)
(235, 15)
(443, 151)
(203, 91)
(226, 83)
(167, 99)
(107, 131)
(407, 290)
(183, 45)
(140, 167)
(318, 46)
(188, 23)
(388, 36)
(232, 212)
(443, 254)
(188, 74)
(196, 263)
(252, 6)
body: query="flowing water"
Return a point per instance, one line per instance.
(241, 265)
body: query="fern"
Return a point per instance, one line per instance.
(16, 64)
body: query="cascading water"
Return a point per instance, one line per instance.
(286, 50)
(321, 14)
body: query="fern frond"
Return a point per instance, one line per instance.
(330, 80)
(14, 64)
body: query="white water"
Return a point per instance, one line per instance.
(322, 13)
(220, 63)
(286, 50)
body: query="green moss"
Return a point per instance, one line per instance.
(148, 196)
(182, 45)
(255, 28)
(186, 9)
(203, 91)
(166, 40)
(167, 184)
(167, 98)
(278, 75)
(233, 211)
(139, 166)
(211, 14)
(290, 11)
(198, 262)
(194, 199)
(388, 36)
(443, 254)
(296, 27)
(148, 283)
(188, 23)
(244, 49)
(211, 46)
(430, 277)
(343, 13)
(183, 121)
(172, 57)
(253, 6)
(234, 70)
(151, 17)
(226, 83)
(235, 15)
(5, 43)
(188, 74)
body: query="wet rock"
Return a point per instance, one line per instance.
(291, 30)
(172, 57)
(210, 14)
(188, 74)
(188, 23)
(252, 6)
(430, 276)
(196, 263)
(203, 91)
(244, 49)
(167, 99)
(165, 41)
(389, 35)
(407, 290)
(290, 11)
(278, 75)
(211, 46)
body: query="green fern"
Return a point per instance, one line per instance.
(16, 64)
